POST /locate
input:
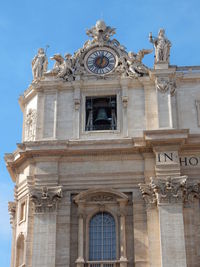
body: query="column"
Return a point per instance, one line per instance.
(80, 261)
(123, 258)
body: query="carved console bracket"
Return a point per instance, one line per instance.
(12, 211)
(45, 198)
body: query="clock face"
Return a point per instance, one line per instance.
(101, 61)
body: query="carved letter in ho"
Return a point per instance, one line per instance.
(45, 198)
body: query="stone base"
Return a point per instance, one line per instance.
(161, 66)
(123, 262)
(80, 262)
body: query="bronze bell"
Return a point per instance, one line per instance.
(102, 117)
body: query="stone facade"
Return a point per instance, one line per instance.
(140, 165)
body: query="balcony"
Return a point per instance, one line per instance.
(102, 264)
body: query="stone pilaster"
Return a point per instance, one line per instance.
(124, 87)
(76, 126)
(123, 256)
(12, 212)
(169, 194)
(44, 233)
(80, 260)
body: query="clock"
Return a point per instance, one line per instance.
(101, 61)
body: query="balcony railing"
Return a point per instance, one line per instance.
(102, 264)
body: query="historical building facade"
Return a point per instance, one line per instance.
(108, 171)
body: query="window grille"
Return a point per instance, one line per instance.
(102, 238)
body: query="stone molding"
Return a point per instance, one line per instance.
(45, 198)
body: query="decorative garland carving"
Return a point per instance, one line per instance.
(45, 198)
(163, 84)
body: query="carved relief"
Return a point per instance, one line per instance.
(12, 211)
(162, 47)
(30, 125)
(163, 84)
(45, 198)
(101, 197)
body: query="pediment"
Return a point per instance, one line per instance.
(100, 195)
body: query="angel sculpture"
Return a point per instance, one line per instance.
(136, 67)
(39, 64)
(63, 66)
(58, 65)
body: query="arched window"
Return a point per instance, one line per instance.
(20, 251)
(102, 237)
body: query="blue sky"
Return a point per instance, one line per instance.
(27, 25)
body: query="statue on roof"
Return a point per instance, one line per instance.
(100, 32)
(39, 64)
(136, 67)
(162, 46)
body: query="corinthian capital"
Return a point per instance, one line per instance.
(165, 190)
(170, 189)
(45, 198)
(148, 195)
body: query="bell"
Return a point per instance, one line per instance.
(102, 118)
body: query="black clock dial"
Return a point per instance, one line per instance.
(101, 62)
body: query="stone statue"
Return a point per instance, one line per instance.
(100, 32)
(39, 64)
(67, 67)
(58, 64)
(162, 46)
(135, 65)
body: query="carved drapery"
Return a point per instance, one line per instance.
(45, 198)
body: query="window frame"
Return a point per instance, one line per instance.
(100, 93)
(100, 218)
(87, 231)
